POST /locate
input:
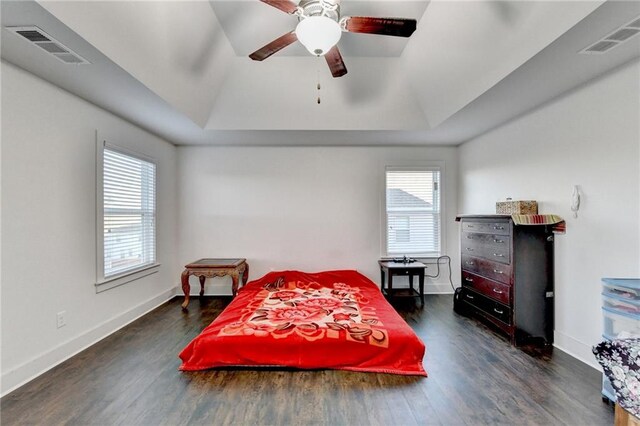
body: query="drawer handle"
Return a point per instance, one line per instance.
(469, 249)
(470, 297)
(498, 311)
(498, 291)
(495, 240)
(468, 279)
(498, 255)
(470, 226)
(497, 271)
(498, 228)
(470, 263)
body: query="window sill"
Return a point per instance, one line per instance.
(126, 277)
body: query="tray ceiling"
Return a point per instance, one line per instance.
(180, 69)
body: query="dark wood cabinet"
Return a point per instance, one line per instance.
(507, 275)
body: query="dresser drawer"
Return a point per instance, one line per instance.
(488, 306)
(493, 289)
(489, 269)
(490, 246)
(500, 227)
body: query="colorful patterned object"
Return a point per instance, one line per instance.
(336, 319)
(559, 225)
(620, 360)
(517, 207)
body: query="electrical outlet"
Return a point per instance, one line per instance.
(61, 321)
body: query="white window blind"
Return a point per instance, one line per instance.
(129, 213)
(413, 211)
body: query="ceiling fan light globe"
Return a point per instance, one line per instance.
(318, 34)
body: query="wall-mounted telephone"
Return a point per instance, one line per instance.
(575, 200)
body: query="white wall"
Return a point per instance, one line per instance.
(591, 138)
(306, 208)
(48, 226)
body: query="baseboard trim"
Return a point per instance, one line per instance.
(23, 373)
(438, 288)
(577, 349)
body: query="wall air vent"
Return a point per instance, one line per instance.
(614, 39)
(44, 41)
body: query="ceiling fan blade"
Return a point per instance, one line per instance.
(273, 47)
(398, 27)
(335, 62)
(284, 5)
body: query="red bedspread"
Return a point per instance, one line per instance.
(335, 319)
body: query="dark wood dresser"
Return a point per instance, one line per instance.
(507, 276)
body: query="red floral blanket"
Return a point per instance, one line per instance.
(336, 319)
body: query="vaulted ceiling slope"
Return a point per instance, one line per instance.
(180, 68)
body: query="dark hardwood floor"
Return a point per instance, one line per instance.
(475, 378)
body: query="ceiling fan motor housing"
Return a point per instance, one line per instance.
(328, 8)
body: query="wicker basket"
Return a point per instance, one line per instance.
(517, 207)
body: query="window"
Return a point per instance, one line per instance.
(126, 214)
(412, 211)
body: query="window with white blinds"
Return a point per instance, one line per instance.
(413, 211)
(128, 213)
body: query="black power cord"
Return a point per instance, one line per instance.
(447, 262)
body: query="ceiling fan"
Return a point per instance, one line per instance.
(320, 27)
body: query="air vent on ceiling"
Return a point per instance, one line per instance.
(623, 34)
(44, 41)
(601, 46)
(614, 39)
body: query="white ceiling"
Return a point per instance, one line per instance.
(180, 70)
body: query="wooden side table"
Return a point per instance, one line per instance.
(391, 269)
(209, 268)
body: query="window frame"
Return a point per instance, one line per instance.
(105, 283)
(438, 166)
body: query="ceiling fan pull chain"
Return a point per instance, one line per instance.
(318, 76)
